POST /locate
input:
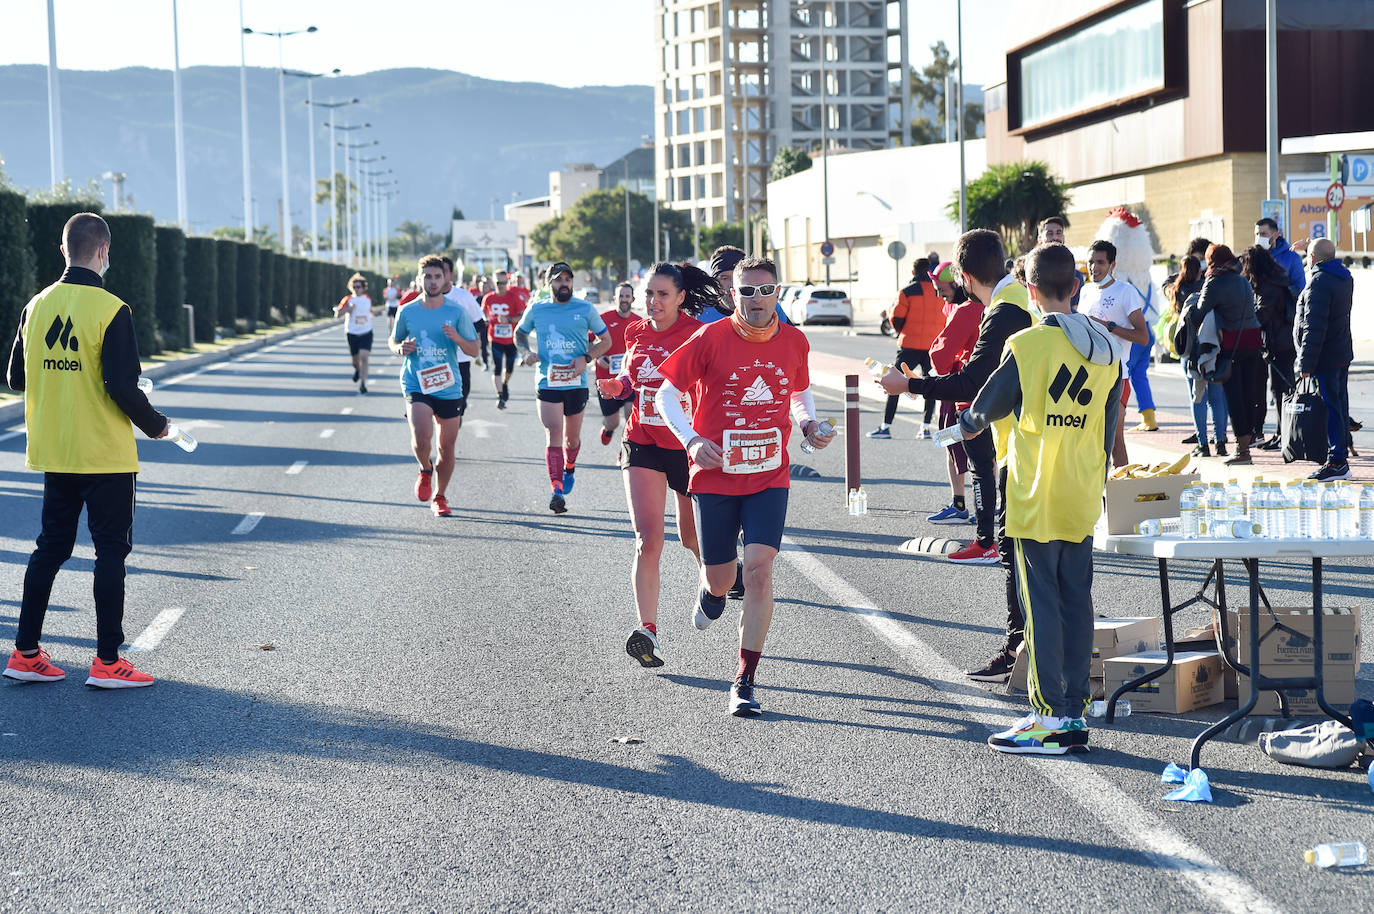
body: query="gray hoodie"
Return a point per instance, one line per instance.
(1001, 395)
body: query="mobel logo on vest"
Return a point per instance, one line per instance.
(60, 334)
(1072, 385)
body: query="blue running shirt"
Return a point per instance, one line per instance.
(561, 335)
(422, 371)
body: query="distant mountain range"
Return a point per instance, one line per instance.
(450, 139)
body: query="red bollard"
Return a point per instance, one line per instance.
(851, 435)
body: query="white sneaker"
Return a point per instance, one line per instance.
(922, 432)
(643, 646)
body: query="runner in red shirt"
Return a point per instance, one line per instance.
(503, 309)
(742, 374)
(650, 454)
(618, 320)
(519, 288)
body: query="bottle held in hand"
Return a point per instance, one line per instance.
(180, 437)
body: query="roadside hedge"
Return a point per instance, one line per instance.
(250, 285)
(133, 273)
(171, 286)
(46, 221)
(201, 270)
(227, 296)
(17, 283)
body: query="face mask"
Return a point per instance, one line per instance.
(1262, 241)
(104, 269)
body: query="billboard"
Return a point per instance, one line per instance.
(480, 234)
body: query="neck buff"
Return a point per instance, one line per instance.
(751, 333)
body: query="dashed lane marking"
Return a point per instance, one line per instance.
(247, 524)
(346, 411)
(327, 433)
(295, 468)
(157, 629)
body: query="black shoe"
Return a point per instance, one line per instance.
(355, 376)
(557, 504)
(1191, 439)
(505, 391)
(742, 700)
(998, 669)
(1202, 450)
(362, 388)
(707, 610)
(643, 646)
(501, 403)
(1331, 471)
(1273, 444)
(1221, 448)
(737, 592)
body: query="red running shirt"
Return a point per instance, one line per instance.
(502, 313)
(646, 349)
(742, 394)
(616, 327)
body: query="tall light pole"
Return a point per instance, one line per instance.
(243, 130)
(1271, 100)
(285, 221)
(333, 183)
(386, 237)
(959, 118)
(55, 163)
(350, 196)
(310, 119)
(627, 219)
(178, 125)
(825, 141)
(366, 217)
(378, 212)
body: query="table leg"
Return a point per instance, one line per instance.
(1168, 646)
(1252, 567)
(1318, 645)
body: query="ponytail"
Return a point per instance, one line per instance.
(699, 289)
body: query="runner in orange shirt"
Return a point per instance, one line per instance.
(918, 317)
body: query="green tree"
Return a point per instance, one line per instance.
(344, 202)
(262, 235)
(788, 161)
(1011, 199)
(713, 236)
(415, 238)
(928, 88)
(591, 235)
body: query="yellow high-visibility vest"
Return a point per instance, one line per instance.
(1018, 295)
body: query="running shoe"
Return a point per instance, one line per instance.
(1331, 471)
(37, 668)
(424, 485)
(558, 504)
(440, 507)
(605, 436)
(949, 515)
(567, 482)
(355, 376)
(1191, 439)
(1036, 735)
(923, 432)
(707, 609)
(974, 554)
(998, 669)
(118, 675)
(736, 592)
(643, 646)
(362, 388)
(881, 431)
(501, 403)
(743, 703)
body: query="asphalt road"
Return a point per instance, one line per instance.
(434, 727)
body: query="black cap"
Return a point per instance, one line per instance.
(555, 269)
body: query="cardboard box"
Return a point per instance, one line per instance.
(1130, 501)
(1194, 681)
(1340, 637)
(1303, 702)
(1114, 637)
(1017, 684)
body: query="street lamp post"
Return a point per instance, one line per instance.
(825, 141)
(366, 206)
(310, 118)
(285, 222)
(178, 125)
(55, 164)
(375, 187)
(350, 196)
(959, 118)
(243, 130)
(333, 184)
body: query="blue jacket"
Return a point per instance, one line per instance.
(1291, 261)
(1322, 330)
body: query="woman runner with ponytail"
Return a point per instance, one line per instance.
(651, 455)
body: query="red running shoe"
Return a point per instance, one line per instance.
(118, 675)
(424, 485)
(974, 554)
(440, 507)
(37, 668)
(605, 436)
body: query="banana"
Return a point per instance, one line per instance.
(1178, 466)
(1128, 471)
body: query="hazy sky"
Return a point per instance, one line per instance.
(564, 42)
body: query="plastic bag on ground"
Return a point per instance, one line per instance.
(1173, 774)
(1196, 788)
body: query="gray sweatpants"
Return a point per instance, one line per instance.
(1055, 582)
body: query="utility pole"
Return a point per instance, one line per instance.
(959, 120)
(178, 124)
(825, 140)
(56, 166)
(627, 219)
(1271, 100)
(243, 130)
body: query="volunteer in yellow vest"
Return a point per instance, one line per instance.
(1058, 387)
(75, 358)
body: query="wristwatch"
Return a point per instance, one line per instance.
(1111, 326)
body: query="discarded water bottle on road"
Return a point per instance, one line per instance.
(824, 427)
(180, 437)
(1367, 513)
(1155, 526)
(1099, 708)
(1347, 853)
(145, 385)
(858, 501)
(948, 437)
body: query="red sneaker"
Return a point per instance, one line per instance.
(118, 675)
(424, 485)
(37, 668)
(605, 436)
(440, 507)
(974, 554)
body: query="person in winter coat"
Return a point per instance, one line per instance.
(1227, 293)
(1321, 334)
(1276, 308)
(1183, 293)
(1267, 236)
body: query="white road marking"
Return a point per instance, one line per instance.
(14, 434)
(1165, 848)
(346, 411)
(327, 433)
(481, 428)
(247, 524)
(295, 468)
(157, 629)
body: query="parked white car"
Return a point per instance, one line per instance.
(818, 305)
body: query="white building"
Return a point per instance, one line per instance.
(875, 198)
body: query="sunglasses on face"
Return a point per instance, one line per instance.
(767, 288)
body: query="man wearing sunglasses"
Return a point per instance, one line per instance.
(748, 379)
(358, 327)
(723, 262)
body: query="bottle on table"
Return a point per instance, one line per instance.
(1156, 526)
(1309, 511)
(1188, 513)
(1367, 512)
(1292, 510)
(1330, 511)
(1350, 520)
(1243, 529)
(1235, 499)
(1347, 853)
(1218, 507)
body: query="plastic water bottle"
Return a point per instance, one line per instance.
(1218, 508)
(1188, 520)
(1367, 512)
(1235, 500)
(1278, 516)
(1260, 508)
(1348, 853)
(1309, 511)
(858, 501)
(1099, 708)
(824, 428)
(145, 385)
(180, 437)
(1242, 529)
(1350, 521)
(1330, 512)
(876, 368)
(1155, 526)
(948, 437)
(1292, 511)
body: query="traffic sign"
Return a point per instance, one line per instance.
(1335, 195)
(827, 261)
(896, 250)
(849, 245)
(827, 249)
(1357, 169)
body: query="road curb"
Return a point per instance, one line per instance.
(11, 412)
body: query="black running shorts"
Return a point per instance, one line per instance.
(357, 342)
(443, 409)
(720, 519)
(671, 462)
(574, 399)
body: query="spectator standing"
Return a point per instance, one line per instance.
(1182, 291)
(1276, 308)
(1325, 349)
(1227, 293)
(1267, 236)
(1119, 308)
(918, 317)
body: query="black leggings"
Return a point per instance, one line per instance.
(1245, 392)
(918, 360)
